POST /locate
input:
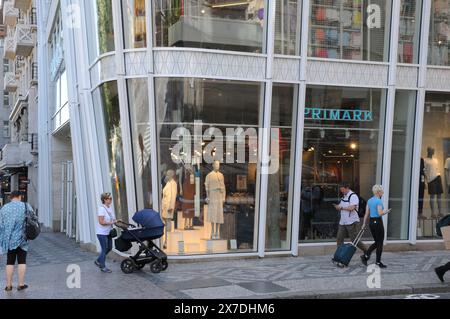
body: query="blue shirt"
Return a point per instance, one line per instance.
(373, 204)
(12, 218)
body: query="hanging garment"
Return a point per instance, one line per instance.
(187, 202)
(320, 35)
(332, 15)
(346, 18)
(408, 52)
(356, 39)
(333, 54)
(320, 14)
(357, 19)
(346, 38)
(321, 53)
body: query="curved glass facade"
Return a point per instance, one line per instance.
(199, 118)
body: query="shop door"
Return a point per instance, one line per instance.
(68, 205)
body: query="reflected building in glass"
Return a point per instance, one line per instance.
(239, 120)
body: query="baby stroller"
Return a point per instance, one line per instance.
(152, 228)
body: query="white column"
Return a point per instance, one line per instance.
(44, 169)
(124, 112)
(300, 128)
(390, 105)
(266, 111)
(423, 60)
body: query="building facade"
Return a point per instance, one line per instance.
(19, 153)
(292, 98)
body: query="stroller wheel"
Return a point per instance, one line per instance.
(127, 266)
(156, 267)
(164, 264)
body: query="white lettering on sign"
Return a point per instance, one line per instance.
(374, 16)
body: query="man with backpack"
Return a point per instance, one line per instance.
(349, 224)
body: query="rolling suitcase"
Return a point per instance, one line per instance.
(344, 253)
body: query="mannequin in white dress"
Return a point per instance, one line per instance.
(216, 194)
(168, 202)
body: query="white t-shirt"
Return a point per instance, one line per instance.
(349, 218)
(109, 216)
(431, 169)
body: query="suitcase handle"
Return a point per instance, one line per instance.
(358, 237)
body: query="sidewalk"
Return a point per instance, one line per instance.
(282, 277)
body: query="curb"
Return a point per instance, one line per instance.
(358, 294)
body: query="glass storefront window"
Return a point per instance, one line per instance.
(134, 25)
(434, 186)
(107, 116)
(350, 29)
(208, 156)
(439, 41)
(279, 194)
(401, 164)
(409, 33)
(99, 19)
(287, 27)
(141, 137)
(343, 142)
(213, 24)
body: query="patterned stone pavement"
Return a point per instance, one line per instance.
(303, 277)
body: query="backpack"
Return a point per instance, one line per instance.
(442, 223)
(361, 206)
(32, 228)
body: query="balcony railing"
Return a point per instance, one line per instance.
(10, 14)
(23, 5)
(11, 83)
(10, 52)
(24, 39)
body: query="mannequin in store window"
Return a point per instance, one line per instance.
(434, 180)
(421, 188)
(216, 194)
(168, 202)
(187, 204)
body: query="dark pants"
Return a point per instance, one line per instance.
(106, 245)
(17, 254)
(444, 268)
(377, 229)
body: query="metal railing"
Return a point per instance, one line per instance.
(34, 72)
(34, 142)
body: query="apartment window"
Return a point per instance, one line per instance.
(5, 65)
(6, 99)
(6, 129)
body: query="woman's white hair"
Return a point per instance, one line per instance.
(376, 189)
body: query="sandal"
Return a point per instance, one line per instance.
(8, 288)
(22, 287)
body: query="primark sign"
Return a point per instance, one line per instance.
(338, 115)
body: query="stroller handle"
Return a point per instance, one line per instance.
(126, 224)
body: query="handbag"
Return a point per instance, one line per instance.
(32, 228)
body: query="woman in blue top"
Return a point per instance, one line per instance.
(12, 241)
(374, 211)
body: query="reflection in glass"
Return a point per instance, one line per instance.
(434, 187)
(287, 27)
(134, 25)
(343, 140)
(230, 187)
(439, 41)
(107, 114)
(279, 195)
(100, 23)
(410, 21)
(350, 29)
(401, 164)
(212, 24)
(140, 127)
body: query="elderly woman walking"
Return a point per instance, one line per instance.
(12, 240)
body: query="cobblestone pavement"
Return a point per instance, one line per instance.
(302, 277)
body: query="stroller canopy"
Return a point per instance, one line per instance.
(148, 218)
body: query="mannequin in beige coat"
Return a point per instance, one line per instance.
(216, 194)
(168, 202)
